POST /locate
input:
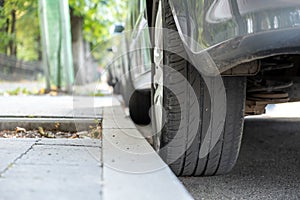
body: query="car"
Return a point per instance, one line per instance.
(194, 69)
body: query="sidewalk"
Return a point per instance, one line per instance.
(50, 169)
(59, 106)
(120, 165)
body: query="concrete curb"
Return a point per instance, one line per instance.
(131, 168)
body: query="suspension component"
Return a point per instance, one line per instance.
(271, 86)
(262, 91)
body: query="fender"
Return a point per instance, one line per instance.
(225, 33)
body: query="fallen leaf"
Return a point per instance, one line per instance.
(82, 133)
(74, 136)
(41, 131)
(20, 130)
(57, 125)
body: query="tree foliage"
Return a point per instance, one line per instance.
(99, 16)
(19, 29)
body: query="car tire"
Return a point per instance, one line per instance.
(183, 154)
(139, 106)
(109, 77)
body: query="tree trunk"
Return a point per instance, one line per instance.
(78, 49)
(40, 52)
(3, 28)
(12, 45)
(7, 31)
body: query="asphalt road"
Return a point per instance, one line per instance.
(268, 166)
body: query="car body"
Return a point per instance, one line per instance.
(256, 40)
(232, 33)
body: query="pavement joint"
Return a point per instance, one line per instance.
(68, 145)
(10, 165)
(117, 128)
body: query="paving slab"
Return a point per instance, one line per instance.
(41, 105)
(59, 106)
(56, 182)
(133, 170)
(114, 111)
(11, 150)
(51, 169)
(117, 122)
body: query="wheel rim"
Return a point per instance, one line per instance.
(158, 79)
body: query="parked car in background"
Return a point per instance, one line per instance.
(254, 45)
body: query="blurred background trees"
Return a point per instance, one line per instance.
(91, 22)
(19, 29)
(98, 17)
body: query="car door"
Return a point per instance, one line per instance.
(140, 47)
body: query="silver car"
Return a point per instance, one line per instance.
(195, 68)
